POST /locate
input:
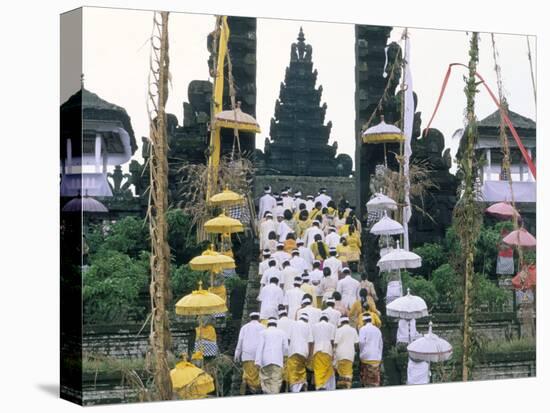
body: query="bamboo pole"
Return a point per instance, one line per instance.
(160, 338)
(468, 233)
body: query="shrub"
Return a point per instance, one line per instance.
(447, 284)
(488, 295)
(112, 285)
(129, 236)
(185, 280)
(433, 256)
(421, 287)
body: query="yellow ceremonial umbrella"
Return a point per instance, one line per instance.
(191, 382)
(223, 224)
(226, 198)
(237, 119)
(213, 262)
(200, 302)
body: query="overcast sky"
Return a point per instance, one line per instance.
(116, 53)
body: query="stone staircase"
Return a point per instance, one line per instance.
(250, 304)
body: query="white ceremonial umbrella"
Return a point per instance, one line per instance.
(399, 259)
(381, 202)
(387, 226)
(430, 347)
(407, 307)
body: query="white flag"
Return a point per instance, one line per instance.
(408, 122)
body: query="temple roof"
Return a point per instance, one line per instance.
(519, 121)
(93, 109)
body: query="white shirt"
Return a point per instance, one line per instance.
(270, 297)
(267, 203)
(283, 230)
(281, 256)
(300, 337)
(270, 272)
(288, 203)
(335, 266)
(316, 276)
(323, 335)
(293, 300)
(313, 313)
(285, 324)
(299, 263)
(406, 331)
(310, 235)
(249, 337)
(328, 286)
(272, 347)
(418, 372)
(349, 288)
(264, 265)
(297, 202)
(370, 343)
(307, 255)
(333, 316)
(324, 199)
(346, 338)
(288, 274)
(265, 228)
(278, 211)
(332, 239)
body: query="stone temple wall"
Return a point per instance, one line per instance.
(337, 186)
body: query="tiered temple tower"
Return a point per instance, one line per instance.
(299, 137)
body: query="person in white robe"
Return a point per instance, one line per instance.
(285, 323)
(264, 265)
(309, 236)
(288, 274)
(293, 298)
(298, 262)
(323, 198)
(370, 353)
(323, 343)
(305, 253)
(406, 331)
(245, 353)
(316, 276)
(272, 347)
(328, 284)
(310, 203)
(272, 271)
(314, 314)
(281, 255)
(266, 227)
(270, 297)
(300, 350)
(346, 343)
(334, 264)
(332, 314)
(348, 287)
(288, 202)
(283, 229)
(332, 239)
(298, 200)
(418, 372)
(267, 202)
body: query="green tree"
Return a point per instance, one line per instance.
(112, 285)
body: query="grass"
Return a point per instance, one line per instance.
(510, 346)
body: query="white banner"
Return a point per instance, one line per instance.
(408, 122)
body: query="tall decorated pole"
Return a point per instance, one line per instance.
(408, 121)
(160, 338)
(466, 214)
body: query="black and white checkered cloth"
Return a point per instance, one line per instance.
(239, 212)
